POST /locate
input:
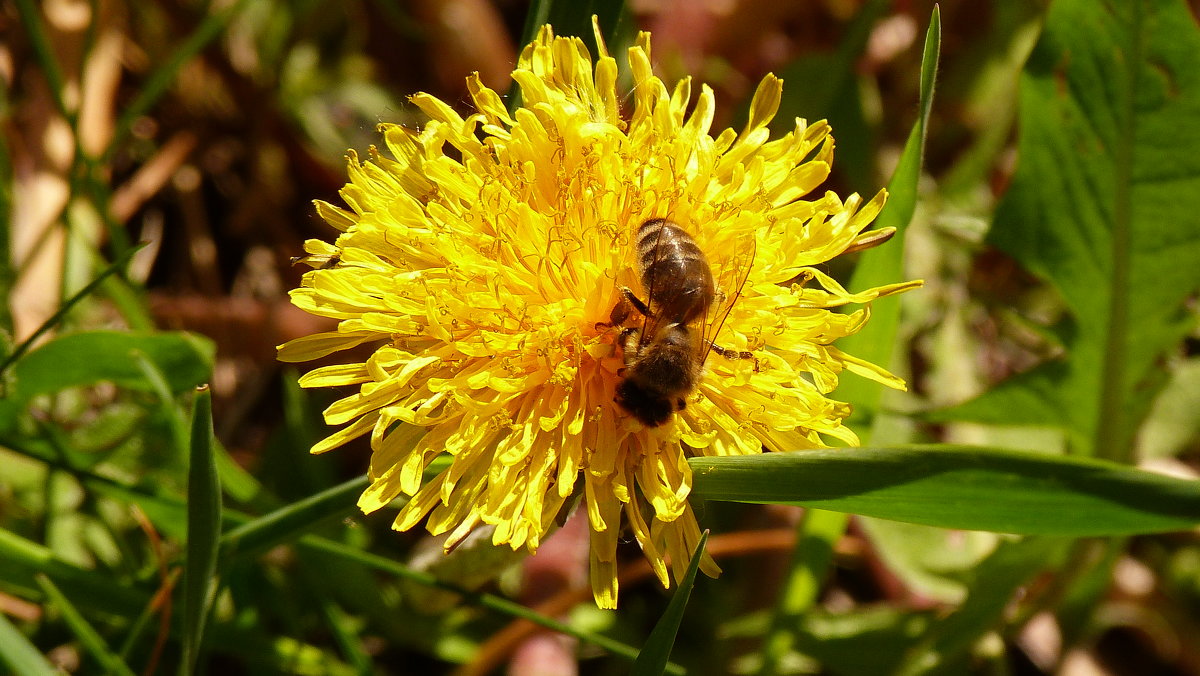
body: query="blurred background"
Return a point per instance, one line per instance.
(206, 129)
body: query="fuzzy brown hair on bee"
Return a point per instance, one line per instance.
(664, 357)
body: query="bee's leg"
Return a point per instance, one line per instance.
(734, 354)
(620, 311)
(628, 296)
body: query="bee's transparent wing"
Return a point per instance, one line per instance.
(664, 295)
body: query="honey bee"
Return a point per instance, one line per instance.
(664, 358)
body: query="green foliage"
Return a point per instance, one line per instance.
(877, 266)
(79, 359)
(652, 659)
(87, 635)
(203, 531)
(19, 653)
(964, 487)
(997, 579)
(1102, 207)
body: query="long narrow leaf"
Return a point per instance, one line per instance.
(204, 529)
(35, 31)
(884, 264)
(998, 579)
(482, 599)
(820, 530)
(21, 560)
(83, 630)
(816, 536)
(653, 658)
(288, 523)
(960, 487)
(168, 71)
(21, 656)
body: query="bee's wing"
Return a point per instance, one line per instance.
(731, 270)
(652, 322)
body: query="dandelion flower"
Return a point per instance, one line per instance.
(482, 260)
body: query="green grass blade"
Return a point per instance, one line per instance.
(237, 482)
(819, 531)
(655, 654)
(288, 523)
(87, 635)
(481, 599)
(21, 560)
(884, 264)
(537, 16)
(997, 580)
(21, 656)
(204, 529)
(816, 537)
(346, 633)
(174, 415)
(962, 487)
(165, 75)
(35, 29)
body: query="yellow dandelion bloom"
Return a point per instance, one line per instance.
(484, 258)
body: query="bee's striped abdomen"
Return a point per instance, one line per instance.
(677, 279)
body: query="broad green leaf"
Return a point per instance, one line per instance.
(94, 356)
(54, 320)
(884, 264)
(1103, 208)
(654, 656)
(963, 487)
(204, 529)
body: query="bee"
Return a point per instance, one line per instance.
(664, 358)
